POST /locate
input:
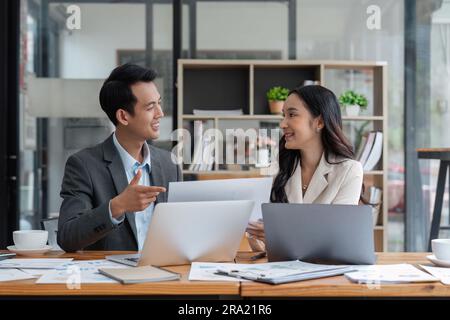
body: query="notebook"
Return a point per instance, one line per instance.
(139, 274)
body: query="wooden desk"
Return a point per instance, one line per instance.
(333, 287)
(434, 153)
(183, 287)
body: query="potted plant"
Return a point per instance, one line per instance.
(352, 102)
(276, 97)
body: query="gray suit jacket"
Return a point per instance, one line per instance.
(93, 177)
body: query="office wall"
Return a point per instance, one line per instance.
(242, 26)
(330, 29)
(107, 28)
(440, 78)
(91, 53)
(326, 29)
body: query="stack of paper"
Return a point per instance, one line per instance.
(207, 271)
(33, 263)
(84, 271)
(61, 271)
(20, 269)
(443, 274)
(14, 274)
(396, 273)
(276, 272)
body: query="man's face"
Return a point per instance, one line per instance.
(144, 123)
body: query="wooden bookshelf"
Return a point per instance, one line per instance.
(230, 84)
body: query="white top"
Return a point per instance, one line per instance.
(330, 184)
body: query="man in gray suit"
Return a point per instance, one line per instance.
(109, 191)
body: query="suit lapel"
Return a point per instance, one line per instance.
(318, 181)
(118, 175)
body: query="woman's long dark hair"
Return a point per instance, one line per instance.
(319, 101)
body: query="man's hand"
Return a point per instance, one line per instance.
(134, 197)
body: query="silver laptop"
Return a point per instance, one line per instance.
(256, 189)
(319, 233)
(184, 232)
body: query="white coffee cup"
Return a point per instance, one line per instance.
(30, 239)
(441, 249)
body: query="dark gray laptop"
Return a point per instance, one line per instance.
(319, 233)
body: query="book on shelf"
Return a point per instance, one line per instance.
(375, 152)
(368, 142)
(361, 146)
(208, 154)
(198, 146)
(370, 150)
(203, 157)
(373, 195)
(216, 112)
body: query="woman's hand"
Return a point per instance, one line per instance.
(255, 236)
(255, 229)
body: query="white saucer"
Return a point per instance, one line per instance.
(29, 252)
(440, 263)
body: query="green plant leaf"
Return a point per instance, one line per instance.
(277, 93)
(350, 97)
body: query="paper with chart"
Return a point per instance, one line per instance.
(443, 274)
(37, 272)
(14, 274)
(278, 270)
(33, 263)
(395, 273)
(206, 271)
(83, 271)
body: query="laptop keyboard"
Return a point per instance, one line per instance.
(133, 259)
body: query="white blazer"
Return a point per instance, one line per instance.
(330, 184)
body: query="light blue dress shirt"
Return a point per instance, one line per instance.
(131, 166)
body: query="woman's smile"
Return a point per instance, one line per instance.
(288, 136)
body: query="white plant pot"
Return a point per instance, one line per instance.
(352, 110)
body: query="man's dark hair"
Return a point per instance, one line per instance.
(116, 90)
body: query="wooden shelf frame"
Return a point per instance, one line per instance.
(253, 110)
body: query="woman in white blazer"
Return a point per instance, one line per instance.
(315, 159)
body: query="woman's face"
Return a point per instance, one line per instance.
(299, 126)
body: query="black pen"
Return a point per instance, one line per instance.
(258, 256)
(4, 256)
